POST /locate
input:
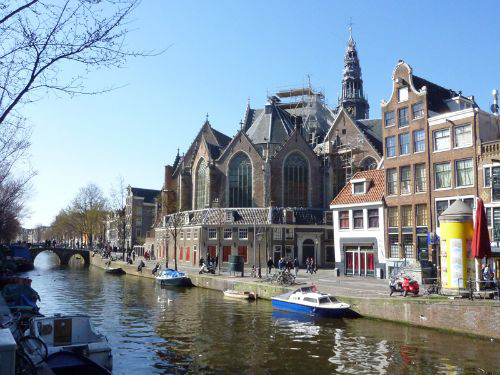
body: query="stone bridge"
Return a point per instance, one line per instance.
(64, 254)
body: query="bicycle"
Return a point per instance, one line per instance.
(434, 288)
(28, 347)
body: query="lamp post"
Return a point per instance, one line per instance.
(259, 238)
(316, 249)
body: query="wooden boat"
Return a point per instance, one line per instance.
(307, 300)
(240, 294)
(115, 270)
(72, 345)
(170, 277)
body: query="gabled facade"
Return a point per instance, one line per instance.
(358, 224)
(139, 214)
(431, 135)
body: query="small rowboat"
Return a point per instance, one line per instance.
(240, 294)
(115, 270)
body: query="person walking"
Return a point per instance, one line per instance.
(270, 265)
(296, 266)
(313, 266)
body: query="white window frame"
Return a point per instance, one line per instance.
(230, 231)
(195, 233)
(456, 174)
(403, 94)
(188, 234)
(212, 233)
(181, 234)
(287, 233)
(455, 145)
(243, 233)
(408, 143)
(277, 234)
(357, 184)
(448, 199)
(434, 149)
(415, 143)
(435, 179)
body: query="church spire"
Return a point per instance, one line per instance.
(353, 98)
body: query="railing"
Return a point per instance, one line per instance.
(490, 147)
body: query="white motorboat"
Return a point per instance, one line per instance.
(170, 277)
(308, 300)
(72, 345)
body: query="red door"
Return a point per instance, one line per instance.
(226, 251)
(181, 251)
(212, 251)
(242, 250)
(188, 254)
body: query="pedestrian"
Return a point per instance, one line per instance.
(280, 264)
(313, 266)
(216, 261)
(270, 265)
(307, 265)
(133, 255)
(296, 266)
(166, 262)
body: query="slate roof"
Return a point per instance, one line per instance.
(436, 95)
(149, 195)
(272, 125)
(250, 216)
(375, 191)
(372, 129)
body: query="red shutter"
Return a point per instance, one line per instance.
(226, 251)
(212, 251)
(242, 250)
(188, 253)
(180, 253)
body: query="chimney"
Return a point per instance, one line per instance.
(494, 106)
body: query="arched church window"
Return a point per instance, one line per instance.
(368, 164)
(240, 181)
(295, 181)
(201, 191)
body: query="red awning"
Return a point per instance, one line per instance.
(481, 246)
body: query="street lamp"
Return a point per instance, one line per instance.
(259, 238)
(316, 254)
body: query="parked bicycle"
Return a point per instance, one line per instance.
(28, 347)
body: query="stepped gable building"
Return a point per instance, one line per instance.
(431, 135)
(285, 163)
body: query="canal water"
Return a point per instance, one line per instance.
(176, 331)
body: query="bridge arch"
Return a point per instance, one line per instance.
(63, 254)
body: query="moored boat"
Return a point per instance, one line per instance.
(309, 301)
(72, 344)
(170, 277)
(115, 270)
(237, 294)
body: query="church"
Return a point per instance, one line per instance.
(265, 192)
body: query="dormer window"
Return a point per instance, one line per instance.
(403, 94)
(360, 186)
(229, 216)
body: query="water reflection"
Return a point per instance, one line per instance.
(155, 330)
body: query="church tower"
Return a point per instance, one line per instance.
(353, 98)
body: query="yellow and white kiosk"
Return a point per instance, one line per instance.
(456, 238)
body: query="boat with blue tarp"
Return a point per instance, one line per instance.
(308, 300)
(170, 277)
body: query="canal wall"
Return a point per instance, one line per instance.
(478, 318)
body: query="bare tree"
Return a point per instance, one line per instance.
(174, 224)
(39, 40)
(90, 206)
(118, 196)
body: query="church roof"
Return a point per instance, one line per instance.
(272, 125)
(372, 129)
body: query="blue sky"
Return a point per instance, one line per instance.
(224, 52)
